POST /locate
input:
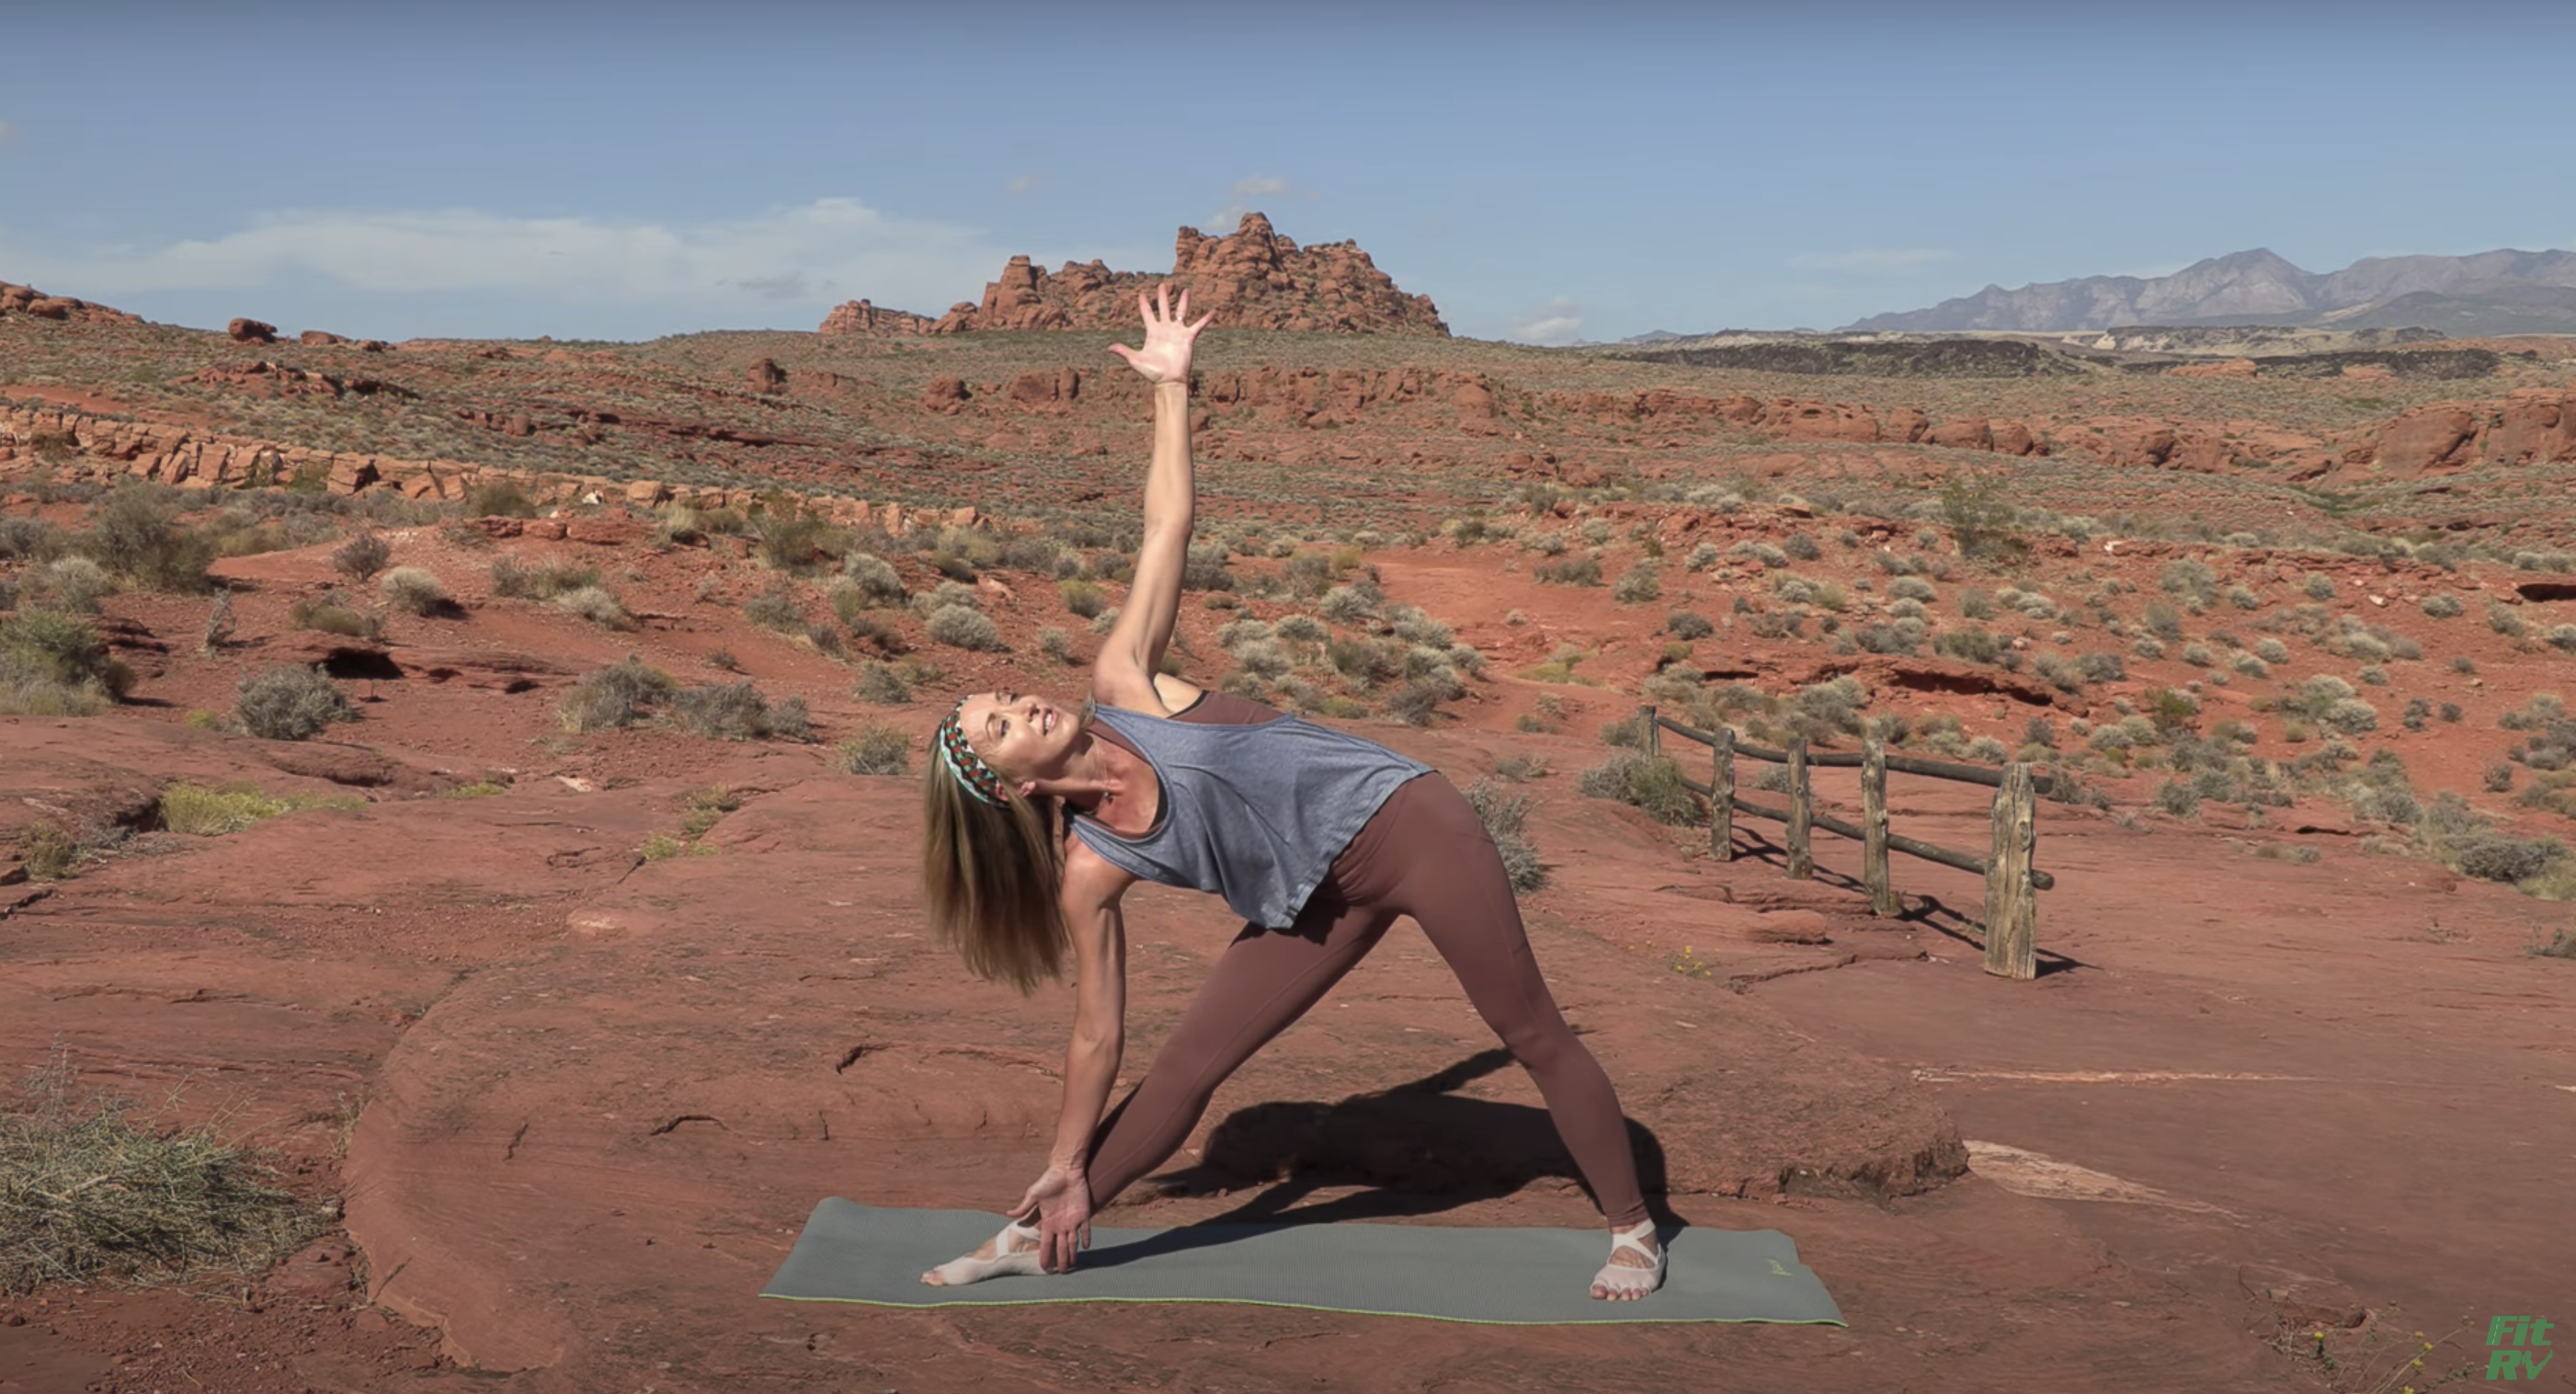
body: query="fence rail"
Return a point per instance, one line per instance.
(2012, 882)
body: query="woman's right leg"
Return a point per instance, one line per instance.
(1264, 980)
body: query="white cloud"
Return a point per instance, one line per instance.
(1027, 181)
(831, 246)
(1870, 259)
(1559, 321)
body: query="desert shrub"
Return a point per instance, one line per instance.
(1571, 571)
(736, 711)
(1981, 515)
(412, 589)
(2102, 667)
(53, 664)
(1505, 815)
(1365, 661)
(2442, 607)
(876, 749)
(964, 627)
(31, 540)
(2491, 856)
(597, 605)
(1976, 605)
(1203, 568)
(1056, 644)
(873, 577)
(1653, 784)
(291, 703)
(1419, 700)
(2562, 637)
(1884, 638)
(2189, 578)
(1348, 604)
(362, 556)
(1086, 599)
(2163, 620)
(548, 579)
(499, 498)
(138, 537)
(1686, 626)
(91, 1188)
(2505, 622)
(1829, 709)
(74, 585)
(1972, 644)
(881, 684)
(617, 695)
(1912, 588)
(796, 544)
(774, 609)
(1638, 586)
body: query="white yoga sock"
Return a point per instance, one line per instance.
(1015, 1254)
(1618, 1278)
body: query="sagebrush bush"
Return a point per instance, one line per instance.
(54, 664)
(964, 627)
(875, 578)
(882, 685)
(737, 712)
(597, 605)
(1504, 814)
(412, 589)
(617, 695)
(138, 536)
(1653, 784)
(291, 703)
(362, 556)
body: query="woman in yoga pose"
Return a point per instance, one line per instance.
(1038, 822)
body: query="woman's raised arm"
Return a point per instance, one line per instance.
(1123, 675)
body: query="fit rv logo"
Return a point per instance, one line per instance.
(2518, 1347)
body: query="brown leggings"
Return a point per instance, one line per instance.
(1425, 854)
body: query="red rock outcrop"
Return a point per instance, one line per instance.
(35, 304)
(251, 331)
(765, 375)
(861, 317)
(2533, 425)
(1253, 278)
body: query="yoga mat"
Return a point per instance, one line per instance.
(862, 1253)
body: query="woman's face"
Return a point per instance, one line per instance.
(1023, 737)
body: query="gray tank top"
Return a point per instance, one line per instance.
(1253, 813)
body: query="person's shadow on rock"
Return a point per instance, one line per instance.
(1420, 1148)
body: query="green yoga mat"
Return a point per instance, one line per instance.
(862, 1253)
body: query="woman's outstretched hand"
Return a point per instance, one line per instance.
(1062, 1200)
(1168, 336)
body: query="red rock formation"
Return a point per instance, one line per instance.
(1252, 278)
(861, 317)
(2532, 425)
(251, 331)
(766, 376)
(35, 304)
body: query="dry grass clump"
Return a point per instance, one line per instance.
(54, 665)
(291, 703)
(964, 627)
(201, 811)
(514, 580)
(877, 749)
(92, 1188)
(737, 712)
(1651, 783)
(1505, 814)
(598, 605)
(138, 536)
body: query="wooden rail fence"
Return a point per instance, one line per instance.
(2012, 881)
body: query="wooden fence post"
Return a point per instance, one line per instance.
(1650, 736)
(1721, 801)
(1801, 865)
(1873, 825)
(2012, 904)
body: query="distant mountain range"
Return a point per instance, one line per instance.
(2500, 292)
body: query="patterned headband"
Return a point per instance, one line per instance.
(969, 768)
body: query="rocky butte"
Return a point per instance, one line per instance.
(1254, 278)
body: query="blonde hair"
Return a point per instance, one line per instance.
(993, 879)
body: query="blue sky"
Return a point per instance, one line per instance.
(1544, 173)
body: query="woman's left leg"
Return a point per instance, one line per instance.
(1455, 887)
